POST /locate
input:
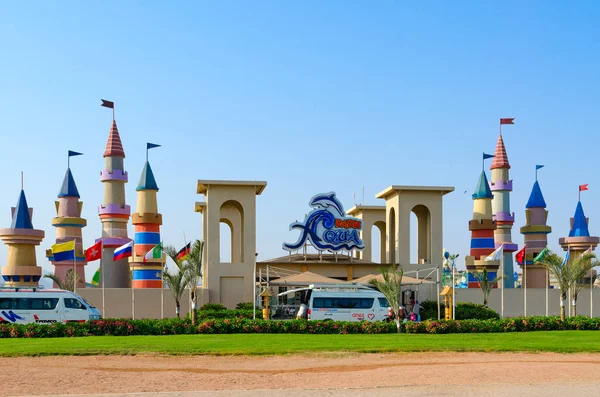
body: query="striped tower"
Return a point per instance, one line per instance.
(501, 187)
(147, 223)
(579, 238)
(21, 268)
(69, 225)
(535, 233)
(114, 213)
(482, 228)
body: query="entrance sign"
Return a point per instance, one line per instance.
(327, 227)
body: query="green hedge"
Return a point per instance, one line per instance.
(230, 314)
(464, 311)
(227, 326)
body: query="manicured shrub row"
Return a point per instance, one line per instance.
(228, 326)
(230, 314)
(464, 311)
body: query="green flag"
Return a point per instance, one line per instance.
(541, 256)
(96, 278)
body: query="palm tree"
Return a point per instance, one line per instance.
(578, 269)
(69, 282)
(485, 283)
(391, 288)
(175, 281)
(557, 268)
(193, 274)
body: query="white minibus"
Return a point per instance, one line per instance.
(341, 302)
(44, 307)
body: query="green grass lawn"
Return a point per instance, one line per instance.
(265, 344)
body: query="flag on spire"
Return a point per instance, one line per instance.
(583, 187)
(72, 153)
(487, 156)
(507, 121)
(151, 145)
(537, 167)
(108, 104)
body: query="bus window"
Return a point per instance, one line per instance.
(383, 302)
(43, 303)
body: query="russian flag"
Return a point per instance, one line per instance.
(124, 251)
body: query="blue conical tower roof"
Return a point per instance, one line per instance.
(483, 188)
(536, 198)
(21, 218)
(147, 181)
(580, 227)
(69, 188)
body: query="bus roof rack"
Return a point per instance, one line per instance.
(346, 286)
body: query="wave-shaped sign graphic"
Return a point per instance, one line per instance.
(327, 227)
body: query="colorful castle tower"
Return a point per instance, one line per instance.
(579, 238)
(502, 186)
(114, 213)
(147, 223)
(69, 225)
(535, 234)
(21, 268)
(482, 228)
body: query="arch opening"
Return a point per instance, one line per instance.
(392, 246)
(232, 215)
(421, 234)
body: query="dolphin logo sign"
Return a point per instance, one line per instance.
(11, 316)
(327, 226)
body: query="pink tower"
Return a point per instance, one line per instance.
(114, 213)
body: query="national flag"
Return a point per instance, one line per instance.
(182, 253)
(154, 253)
(487, 156)
(541, 256)
(72, 153)
(521, 256)
(94, 252)
(507, 121)
(108, 104)
(64, 251)
(496, 255)
(587, 252)
(566, 259)
(151, 145)
(96, 278)
(124, 251)
(583, 187)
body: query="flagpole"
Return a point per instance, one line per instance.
(102, 273)
(162, 286)
(74, 266)
(547, 282)
(502, 284)
(453, 290)
(525, 286)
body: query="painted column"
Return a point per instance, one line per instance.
(501, 187)
(21, 269)
(69, 225)
(579, 238)
(535, 233)
(147, 223)
(114, 212)
(482, 228)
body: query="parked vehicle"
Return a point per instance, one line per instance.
(44, 307)
(341, 302)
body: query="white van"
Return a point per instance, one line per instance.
(342, 302)
(44, 307)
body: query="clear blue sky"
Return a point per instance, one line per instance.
(309, 96)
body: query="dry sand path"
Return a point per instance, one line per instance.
(411, 374)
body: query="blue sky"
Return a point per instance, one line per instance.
(309, 96)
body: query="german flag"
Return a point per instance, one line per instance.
(182, 253)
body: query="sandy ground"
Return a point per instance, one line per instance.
(414, 374)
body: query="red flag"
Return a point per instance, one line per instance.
(94, 252)
(583, 187)
(107, 104)
(506, 121)
(521, 255)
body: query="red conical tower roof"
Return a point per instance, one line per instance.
(114, 147)
(500, 157)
